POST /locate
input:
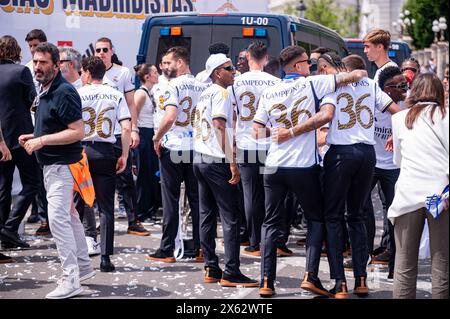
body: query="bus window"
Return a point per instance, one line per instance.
(232, 35)
(307, 40)
(165, 43)
(193, 38)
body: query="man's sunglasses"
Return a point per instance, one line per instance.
(403, 86)
(105, 50)
(410, 69)
(229, 68)
(301, 61)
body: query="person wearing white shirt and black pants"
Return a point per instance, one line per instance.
(173, 143)
(121, 79)
(147, 184)
(348, 166)
(217, 173)
(391, 81)
(103, 106)
(251, 153)
(293, 162)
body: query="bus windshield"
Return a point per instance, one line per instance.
(198, 38)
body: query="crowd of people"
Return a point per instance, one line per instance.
(252, 150)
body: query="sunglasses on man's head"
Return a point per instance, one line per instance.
(105, 50)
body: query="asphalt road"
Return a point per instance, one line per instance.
(35, 272)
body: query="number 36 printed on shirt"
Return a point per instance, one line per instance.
(295, 113)
(354, 116)
(96, 123)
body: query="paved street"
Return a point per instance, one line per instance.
(35, 272)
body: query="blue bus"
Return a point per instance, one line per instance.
(197, 32)
(398, 52)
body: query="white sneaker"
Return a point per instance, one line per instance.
(93, 247)
(68, 286)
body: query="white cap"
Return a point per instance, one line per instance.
(213, 62)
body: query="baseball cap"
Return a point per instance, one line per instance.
(213, 62)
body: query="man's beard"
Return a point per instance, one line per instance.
(46, 77)
(170, 74)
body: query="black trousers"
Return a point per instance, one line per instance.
(102, 165)
(176, 167)
(215, 191)
(125, 183)
(148, 189)
(305, 184)
(39, 203)
(252, 177)
(291, 206)
(87, 216)
(347, 180)
(386, 179)
(28, 168)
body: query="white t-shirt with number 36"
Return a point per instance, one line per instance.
(355, 105)
(287, 104)
(102, 108)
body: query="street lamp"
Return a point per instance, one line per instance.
(301, 8)
(436, 30)
(442, 27)
(404, 23)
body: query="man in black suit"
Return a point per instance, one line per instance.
(17, 93)
(5, 155)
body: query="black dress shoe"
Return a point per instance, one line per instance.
(33, 219)
(212, 275)
(312, 283)
(5, 259)
(106, 265)
(237, 280)
(12, 238)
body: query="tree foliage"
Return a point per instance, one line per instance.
(425, 12)
(344, 21)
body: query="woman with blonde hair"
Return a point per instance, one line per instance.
(421, 144)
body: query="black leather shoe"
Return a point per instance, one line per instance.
(163, 256)
(212, 275)
(33, 219)
(5, 259)
(312, 283)
(106, 265)
(12, 238)
(340, 290)
(237, 280)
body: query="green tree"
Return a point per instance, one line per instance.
(424, 12)
(343, 21)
